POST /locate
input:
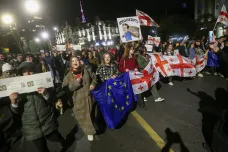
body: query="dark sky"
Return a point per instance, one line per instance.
(57, 10)
(111, 9)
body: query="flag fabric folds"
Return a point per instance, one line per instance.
(145, 19)
(142, 81)
(223, 16)
(181, 66)
(115, 98)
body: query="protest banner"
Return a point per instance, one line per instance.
(154, 40)
(129, 29)
(61, 47)
(25, 84)
(76, 47)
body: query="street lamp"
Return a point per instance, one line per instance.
(7, 19)
(44, 35)
(55, 29)
(32, 6)
(37, 40)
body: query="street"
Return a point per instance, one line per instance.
(144, 130)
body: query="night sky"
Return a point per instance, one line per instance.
(58, 10)
(110, 10)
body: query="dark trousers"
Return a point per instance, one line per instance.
(40, 145)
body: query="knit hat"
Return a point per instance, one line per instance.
(28, 65)
(7, 67)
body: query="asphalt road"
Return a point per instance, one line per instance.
(182, 112)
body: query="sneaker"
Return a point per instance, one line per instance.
(144, 99)
(215, 74)
(159, 99)
(221, 75)
(208, 73)
(200, 75)
(170, 83)
(90, 137)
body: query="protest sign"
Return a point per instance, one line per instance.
(76, 47)
(149, 48)
(61, 47)
(25, 84)
(129, 28)
(154, 40)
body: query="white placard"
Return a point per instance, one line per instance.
(154, 40)
(76, 47)
(41, 51)
(61, 47)
(149, 48)
(25, 84)
(129, 28)
(176, 52)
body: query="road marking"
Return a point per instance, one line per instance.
(157, 139)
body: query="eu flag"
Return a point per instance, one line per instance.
(115, 98)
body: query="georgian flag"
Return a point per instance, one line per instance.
(223, 16)
(181, 66)
(145, 19)
(154, 40)
(161, 65)
(199, 62)
(142, 81)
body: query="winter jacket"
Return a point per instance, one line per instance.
(192, 53)
(37, 115)
(130, 64)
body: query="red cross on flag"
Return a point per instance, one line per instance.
(145, 19)
(154, 40)
(142, 81)
(161, 65)
(223, 16)
(199, 62)
(181, 66)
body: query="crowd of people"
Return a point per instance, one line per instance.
(75, 73)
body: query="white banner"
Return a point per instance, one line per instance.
(154, 40)
(61, 47)
(76, 47)
(129, 28)
(25, 84)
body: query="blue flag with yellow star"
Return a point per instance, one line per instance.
(115, 98)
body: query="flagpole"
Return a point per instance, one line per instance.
(214, 26)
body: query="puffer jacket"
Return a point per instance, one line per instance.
(37, 114)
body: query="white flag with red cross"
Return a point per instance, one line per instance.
(145, 19)
(142, 81)
(181, 66)
(154, 40)
(199, 62)
(223, 16)
(161, 65)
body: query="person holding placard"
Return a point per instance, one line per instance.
(37, 114)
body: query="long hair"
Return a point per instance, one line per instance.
(111, 60)
(127, 51)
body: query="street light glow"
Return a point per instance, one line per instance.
(37, 40)
(7, 19)
(44, 35)
(55, 28)
(32, 6)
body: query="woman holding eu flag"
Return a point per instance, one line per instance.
(80, 80)
(107, 69)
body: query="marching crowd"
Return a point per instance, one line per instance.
(75, 73)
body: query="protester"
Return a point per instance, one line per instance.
(2, 59)
(143, 61)
(128, 61)
(169, 52)
(7, 71)
(107, 69)
(37, 114)
(81, 81)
